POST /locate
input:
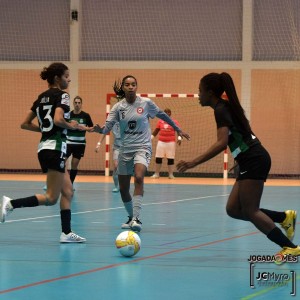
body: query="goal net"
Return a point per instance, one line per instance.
(168, 45)
(196, 121)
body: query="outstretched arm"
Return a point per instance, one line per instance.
(163, 116)
(212, 151)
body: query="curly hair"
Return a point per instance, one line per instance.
(55, 69)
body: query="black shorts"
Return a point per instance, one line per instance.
(52, 159)
(255, 163)
(76, 150)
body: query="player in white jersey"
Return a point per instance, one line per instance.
(116, 150)
(133, 112)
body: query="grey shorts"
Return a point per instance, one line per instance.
(128, 160)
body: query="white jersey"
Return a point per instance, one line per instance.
(133, 118)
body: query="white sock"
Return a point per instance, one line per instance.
(137, 205)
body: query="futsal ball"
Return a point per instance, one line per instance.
(128, 243)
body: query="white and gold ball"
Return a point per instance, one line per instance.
(128, 243)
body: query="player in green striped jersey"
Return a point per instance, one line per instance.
(76, 140)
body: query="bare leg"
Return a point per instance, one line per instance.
(244, 202)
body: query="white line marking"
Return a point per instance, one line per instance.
(116, 208)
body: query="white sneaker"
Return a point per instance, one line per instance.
(127, 224)
(136, 225)
(71, 238)
(115, 190)
(154, 176)
(6, 208)
(171, 176)
(45, 187)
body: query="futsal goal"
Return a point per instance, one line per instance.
(196, 121)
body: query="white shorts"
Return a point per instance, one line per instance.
(128, 160)
(165, 149)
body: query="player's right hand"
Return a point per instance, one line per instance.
(98, 129)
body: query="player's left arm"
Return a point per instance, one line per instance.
(27, 123)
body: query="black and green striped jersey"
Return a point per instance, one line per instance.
(53, 137)
(239, 140)
(76, 136)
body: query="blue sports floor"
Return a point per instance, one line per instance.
(190, 248)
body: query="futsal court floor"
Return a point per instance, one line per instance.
(190, 248)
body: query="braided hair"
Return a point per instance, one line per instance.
(118, 87)
(220, 83)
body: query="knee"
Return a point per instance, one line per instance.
(233, 212)
(139, 180)
(229, 211)
(50, 199)
(68, 193)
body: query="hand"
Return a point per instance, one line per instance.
(81, 127)
(98, 129)
(73, 124)
(89, 129)
(184, 134)
(97, 147)
(182, 166)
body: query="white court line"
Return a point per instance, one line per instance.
(115, 208)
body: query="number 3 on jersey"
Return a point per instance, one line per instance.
(47, 116)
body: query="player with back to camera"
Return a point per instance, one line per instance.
(233, 129)
(133, 113)
(166, 145)
(116, 150)
(52, 109)
(76, 141)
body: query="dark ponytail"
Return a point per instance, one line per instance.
(220, 83)
(234, 102)
(118, 87)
